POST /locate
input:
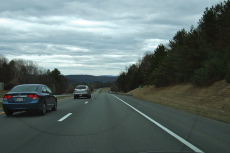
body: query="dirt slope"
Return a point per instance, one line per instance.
(212, 102)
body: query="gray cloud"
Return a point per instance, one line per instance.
(92, 37)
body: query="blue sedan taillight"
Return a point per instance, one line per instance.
(33, 96)
(6, 97)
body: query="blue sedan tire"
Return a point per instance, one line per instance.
(55, 106)
(43, 110)
(8, 112)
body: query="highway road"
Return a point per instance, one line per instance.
(111, 123)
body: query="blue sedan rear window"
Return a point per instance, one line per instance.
(24, 88)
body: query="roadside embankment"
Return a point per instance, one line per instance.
(212, 102)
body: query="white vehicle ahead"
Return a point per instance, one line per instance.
(82, 91)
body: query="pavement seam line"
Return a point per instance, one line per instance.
(191, 146)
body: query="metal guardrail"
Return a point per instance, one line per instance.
(1, 99)
(126, 94)
(63, 95)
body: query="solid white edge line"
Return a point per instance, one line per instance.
(63, 118)
(191, 146)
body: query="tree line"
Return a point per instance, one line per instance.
(19, 71)
(200, 56)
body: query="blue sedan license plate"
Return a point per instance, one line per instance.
(19, 99)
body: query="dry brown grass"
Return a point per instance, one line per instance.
(104, 89)
(212, 102)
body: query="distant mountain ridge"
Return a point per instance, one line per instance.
(91, 78)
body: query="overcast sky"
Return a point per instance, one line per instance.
(96, 37)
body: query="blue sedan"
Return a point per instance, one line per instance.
(29, 97)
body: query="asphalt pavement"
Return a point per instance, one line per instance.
(111, 123)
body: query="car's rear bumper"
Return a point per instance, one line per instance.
(81, 95)
(21, 106)
(81, 92)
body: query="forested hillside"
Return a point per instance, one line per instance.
(19, 71)
(91, 78)
(200, 56)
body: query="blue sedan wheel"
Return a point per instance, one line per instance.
(8, 112)
(44, 109)
(55, 106)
